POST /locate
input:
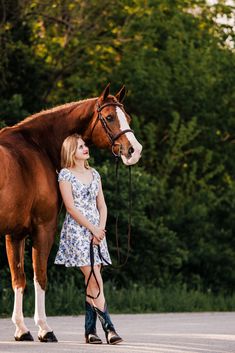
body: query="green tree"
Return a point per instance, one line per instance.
(178, 64)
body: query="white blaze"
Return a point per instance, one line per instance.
(131, 137)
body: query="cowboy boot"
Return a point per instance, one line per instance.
(111, 335)
(90, 325)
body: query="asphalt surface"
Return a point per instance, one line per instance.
(164, 333)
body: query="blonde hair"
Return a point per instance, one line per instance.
(68, 151)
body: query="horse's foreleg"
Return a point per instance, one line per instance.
(15, 254)
(42, 244)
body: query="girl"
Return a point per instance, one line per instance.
(83, 232)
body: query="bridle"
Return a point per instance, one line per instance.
(112, 137)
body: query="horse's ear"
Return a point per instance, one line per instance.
(105, 93)
(121, 94)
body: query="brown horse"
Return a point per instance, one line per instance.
(29, 198)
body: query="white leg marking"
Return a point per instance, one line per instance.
(40, 313)
(131, 137)
(17, 315)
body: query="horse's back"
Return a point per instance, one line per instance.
(25, 188)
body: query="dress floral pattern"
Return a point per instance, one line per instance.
(74, 247)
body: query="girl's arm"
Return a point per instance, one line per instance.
(66, 192)
(101, 205)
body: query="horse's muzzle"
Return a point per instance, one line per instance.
(134, 154)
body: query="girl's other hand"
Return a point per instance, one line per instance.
(99, 233)
(96, 241)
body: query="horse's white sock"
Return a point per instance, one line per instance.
(17, 315)
(40, 314)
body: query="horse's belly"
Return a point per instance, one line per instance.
(14, 212)
(14, 196)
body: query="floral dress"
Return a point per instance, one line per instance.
(74, 247)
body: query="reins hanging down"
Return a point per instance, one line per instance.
(92, 260)
(129, 217)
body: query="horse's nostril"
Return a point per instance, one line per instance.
(130, 150)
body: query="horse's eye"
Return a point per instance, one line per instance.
(109, 118)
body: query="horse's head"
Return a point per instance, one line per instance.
(110, 127)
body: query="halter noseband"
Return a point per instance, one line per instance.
(111, 136)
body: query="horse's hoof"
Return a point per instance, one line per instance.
(48, 337)
(25, 337)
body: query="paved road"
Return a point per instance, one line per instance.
(159, 333)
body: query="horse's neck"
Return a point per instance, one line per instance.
(80, 117)
(49, 129)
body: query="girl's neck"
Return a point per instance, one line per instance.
(79, 167)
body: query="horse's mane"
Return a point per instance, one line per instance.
(60, 110)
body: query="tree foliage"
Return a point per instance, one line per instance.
(178, 64)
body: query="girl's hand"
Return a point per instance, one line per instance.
(99, 233)
(95, 241)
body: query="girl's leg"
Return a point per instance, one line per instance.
(99, 304)
(91, 315)
(94, 288)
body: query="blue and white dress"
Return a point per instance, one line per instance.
(74, 247)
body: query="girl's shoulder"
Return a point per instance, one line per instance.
(64, 175)
(95, 173)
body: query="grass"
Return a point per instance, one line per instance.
(68, 299)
